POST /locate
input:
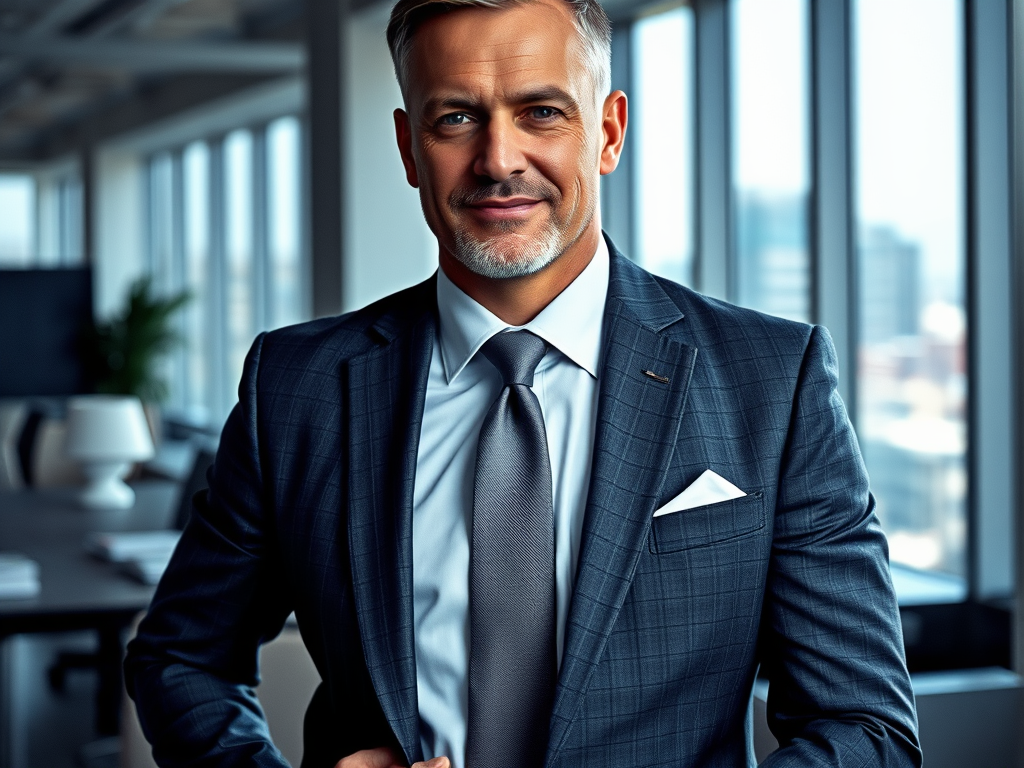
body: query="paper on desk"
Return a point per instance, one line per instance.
(134, 545)
(19, 576)
(147, 570)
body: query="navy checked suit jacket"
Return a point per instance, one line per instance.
(310, 507)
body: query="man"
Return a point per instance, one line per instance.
(570, 543)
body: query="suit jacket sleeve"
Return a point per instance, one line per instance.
(193, 663)
(831, 637)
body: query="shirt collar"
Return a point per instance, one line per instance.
(571, 323)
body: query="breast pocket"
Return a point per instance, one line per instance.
(709, 524)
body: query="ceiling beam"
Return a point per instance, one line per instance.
(122, 116)
(158, 56)
(50, 22)
(58, 16)
(140, 17)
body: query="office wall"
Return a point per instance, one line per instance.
(387, 244)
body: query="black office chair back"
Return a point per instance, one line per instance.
(196, 482)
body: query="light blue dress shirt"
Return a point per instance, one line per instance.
(461, 387)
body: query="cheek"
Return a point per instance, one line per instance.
(443, 168)
(432, 182)
(570, 162)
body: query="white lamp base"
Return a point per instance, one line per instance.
(106, 490)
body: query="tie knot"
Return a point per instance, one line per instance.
(515, 354)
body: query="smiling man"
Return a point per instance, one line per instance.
(544, 508)
(509, 126)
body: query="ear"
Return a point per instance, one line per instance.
(403, 133)
(613, 123)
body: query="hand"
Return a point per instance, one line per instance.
(383, 757)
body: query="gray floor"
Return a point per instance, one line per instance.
(45, 728)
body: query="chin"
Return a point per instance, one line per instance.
(508, 255)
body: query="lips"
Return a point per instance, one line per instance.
(507, 209)
(509, 203)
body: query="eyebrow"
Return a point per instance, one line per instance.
(549, 93)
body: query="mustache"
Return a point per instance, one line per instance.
(514, 187)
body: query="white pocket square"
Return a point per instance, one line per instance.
(709, 488)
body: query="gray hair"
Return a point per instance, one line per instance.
(592, 24)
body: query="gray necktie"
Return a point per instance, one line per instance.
(512, 661)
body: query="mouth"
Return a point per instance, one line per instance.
(505, 209)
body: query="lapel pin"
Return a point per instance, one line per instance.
(656, 377)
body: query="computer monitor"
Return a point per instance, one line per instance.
(43, 316)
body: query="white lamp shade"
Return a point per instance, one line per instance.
(107, 428)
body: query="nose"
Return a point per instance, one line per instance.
(500, 154)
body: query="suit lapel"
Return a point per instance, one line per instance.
(385, 394)
(637, 426)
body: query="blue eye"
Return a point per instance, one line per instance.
(544, 113)
(454, 119)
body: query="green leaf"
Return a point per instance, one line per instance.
(123, 353)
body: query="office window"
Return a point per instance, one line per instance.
(284, 221)
(770, 155)
(661, 115)
(69, 219)
(225, 223)
(41, 221)
(195, 395)
(59, 234)
(238, 190)
(911, 355)
(17, 225)
(162, 210)
(163, 213)
(863, 108)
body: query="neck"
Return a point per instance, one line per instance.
(517, 300)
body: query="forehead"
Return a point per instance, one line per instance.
(531, 43)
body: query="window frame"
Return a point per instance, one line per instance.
(976, 632)
(59, 225)
(221, 384)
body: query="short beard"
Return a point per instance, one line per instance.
(518, 256)
(489, 259)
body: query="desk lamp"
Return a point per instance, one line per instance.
(107, 433)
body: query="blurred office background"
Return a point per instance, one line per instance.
(854, 163)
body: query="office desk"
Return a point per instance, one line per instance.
(78, 591)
